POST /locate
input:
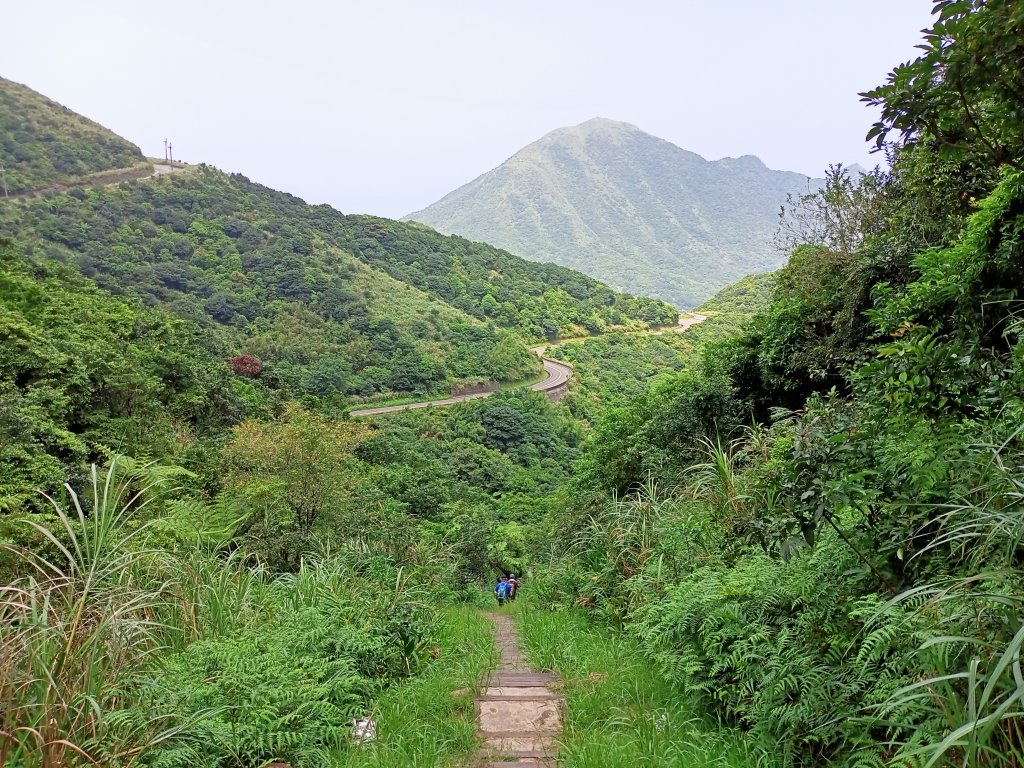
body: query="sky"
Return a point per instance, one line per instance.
(385, 106)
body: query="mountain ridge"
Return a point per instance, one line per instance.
(629, 208)
(330, 305)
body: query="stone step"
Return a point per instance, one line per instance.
(515, 716)
(518, 692)
(519, 716)
(530, 743)
(513, 679)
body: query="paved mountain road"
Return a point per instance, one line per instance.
(558, 374)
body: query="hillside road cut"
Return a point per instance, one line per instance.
(554, 383)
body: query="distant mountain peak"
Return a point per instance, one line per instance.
(744, 161)
(595, 127)
(604, 124)
(628, 208)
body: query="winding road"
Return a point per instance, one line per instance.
(554, 383)
(558, 375)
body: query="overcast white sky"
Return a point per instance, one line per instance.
(384, 106)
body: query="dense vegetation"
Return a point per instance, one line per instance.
(247, 571)
(616, 368)
(275, 282)
(43, 143)
(818, 527)
(808, 535)
(84, 376)
(627, 208)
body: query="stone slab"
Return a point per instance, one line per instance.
(506, 716)
(534, 745)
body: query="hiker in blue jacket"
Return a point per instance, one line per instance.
(502, 590)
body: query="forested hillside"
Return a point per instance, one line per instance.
(298, 288)
(627, 208)
(817, 529)
(43, 143)
(238, 574)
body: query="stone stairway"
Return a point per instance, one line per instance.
(519, 714)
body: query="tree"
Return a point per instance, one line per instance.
(967, 90)
(510, 360)
(293, 473)
(839, 216)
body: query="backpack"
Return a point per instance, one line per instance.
(502, 589)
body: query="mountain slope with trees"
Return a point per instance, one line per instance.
(43, 143)
(328, 305)
(627, 208)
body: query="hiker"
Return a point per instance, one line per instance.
(513, 584)
(501, 590)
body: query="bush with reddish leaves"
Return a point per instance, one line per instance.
(246, 365)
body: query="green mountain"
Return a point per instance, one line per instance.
(328, 305)
(43, 144)
(630, 209)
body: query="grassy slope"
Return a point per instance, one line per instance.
(43, 143)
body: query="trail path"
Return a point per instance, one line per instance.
(519, 714)
(108, 178)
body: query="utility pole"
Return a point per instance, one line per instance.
(165, 151)
(170, 150)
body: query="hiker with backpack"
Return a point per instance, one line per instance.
(513, 584)
(502, 590)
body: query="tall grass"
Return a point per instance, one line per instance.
(430, 721)
(620, 712)
(973, 690)
(112, 649)
(75, 622)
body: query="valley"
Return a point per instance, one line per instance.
(239, 530)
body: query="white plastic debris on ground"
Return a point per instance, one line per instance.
(364, 730)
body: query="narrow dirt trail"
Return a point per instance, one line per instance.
(519, 714)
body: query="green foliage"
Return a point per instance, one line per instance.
(510, 360)
(293, 476)
(83, 376)
(289, 687)
(330, 305)
(114, 652)
(659, 432)
(430, 720)
(617, 368)
(538, 300)
(844, 580)
(43, 143)
(619, 711)
(965, 89)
